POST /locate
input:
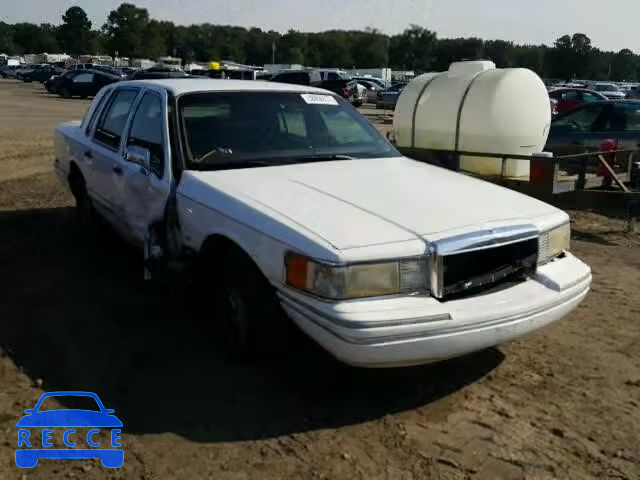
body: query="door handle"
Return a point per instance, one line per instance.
(117, 170)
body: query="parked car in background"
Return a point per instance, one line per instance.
(363, 95)
(24, 69)
(52, 83)
(41, 74)
(609, 90)
(372, 89)
(590, 126)
(8, 71)
(271, 195)
(84, 83)
(381, 84)
(156, 73)
(388, 97)
(335, 81)
(570, 98)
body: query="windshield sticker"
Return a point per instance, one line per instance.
(313, 99)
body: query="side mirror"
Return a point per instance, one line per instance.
(138, 155)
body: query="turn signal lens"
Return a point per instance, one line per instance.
(553, 243)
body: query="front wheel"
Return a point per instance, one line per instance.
(250, 318)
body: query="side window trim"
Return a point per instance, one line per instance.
(105, 110)
(93, 120)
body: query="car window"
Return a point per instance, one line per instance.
(590, 97)
(624, 118)
(83, 78)
(571, 96)
(587, 119)
(146, 130)
(114, 118)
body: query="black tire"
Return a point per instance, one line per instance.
(249, 316)
(65, 93)
(84, 206)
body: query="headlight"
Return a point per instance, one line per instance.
(356, 281)
(553, 243)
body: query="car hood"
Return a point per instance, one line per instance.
(69, 418)
(357, 203)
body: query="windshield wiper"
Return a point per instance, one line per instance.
(237, 164)
(323, 158)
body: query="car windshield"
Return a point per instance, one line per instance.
(246, 129)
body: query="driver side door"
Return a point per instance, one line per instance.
(144, 187)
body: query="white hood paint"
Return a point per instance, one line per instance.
(361, 203)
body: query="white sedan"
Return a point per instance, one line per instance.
(284, 199)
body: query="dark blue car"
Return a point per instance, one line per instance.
(68, 419)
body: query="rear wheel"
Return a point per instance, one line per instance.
(84, 206)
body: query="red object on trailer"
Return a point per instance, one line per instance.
(610, 145)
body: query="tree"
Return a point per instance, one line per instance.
(370, 49)
(412, 49)
(154, 39)
(125, 30)
(75, 35)
(292, 47)
(500, 52)
(6, 39)
(624, 66)
(452, 50)
(30, 38)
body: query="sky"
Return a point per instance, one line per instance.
(611, 25)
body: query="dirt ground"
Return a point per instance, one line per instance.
(75, 315)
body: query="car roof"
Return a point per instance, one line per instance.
(191, 85)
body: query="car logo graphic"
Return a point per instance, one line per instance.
(28, 453)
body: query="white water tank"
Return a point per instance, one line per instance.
(475, 107)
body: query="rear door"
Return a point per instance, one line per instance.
(82, 84)
(142, 191)
(106, 149)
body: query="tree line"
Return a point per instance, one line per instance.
(129, 31)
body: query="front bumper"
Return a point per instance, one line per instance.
(402, 331)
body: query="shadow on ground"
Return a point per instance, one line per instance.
(76, 314)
